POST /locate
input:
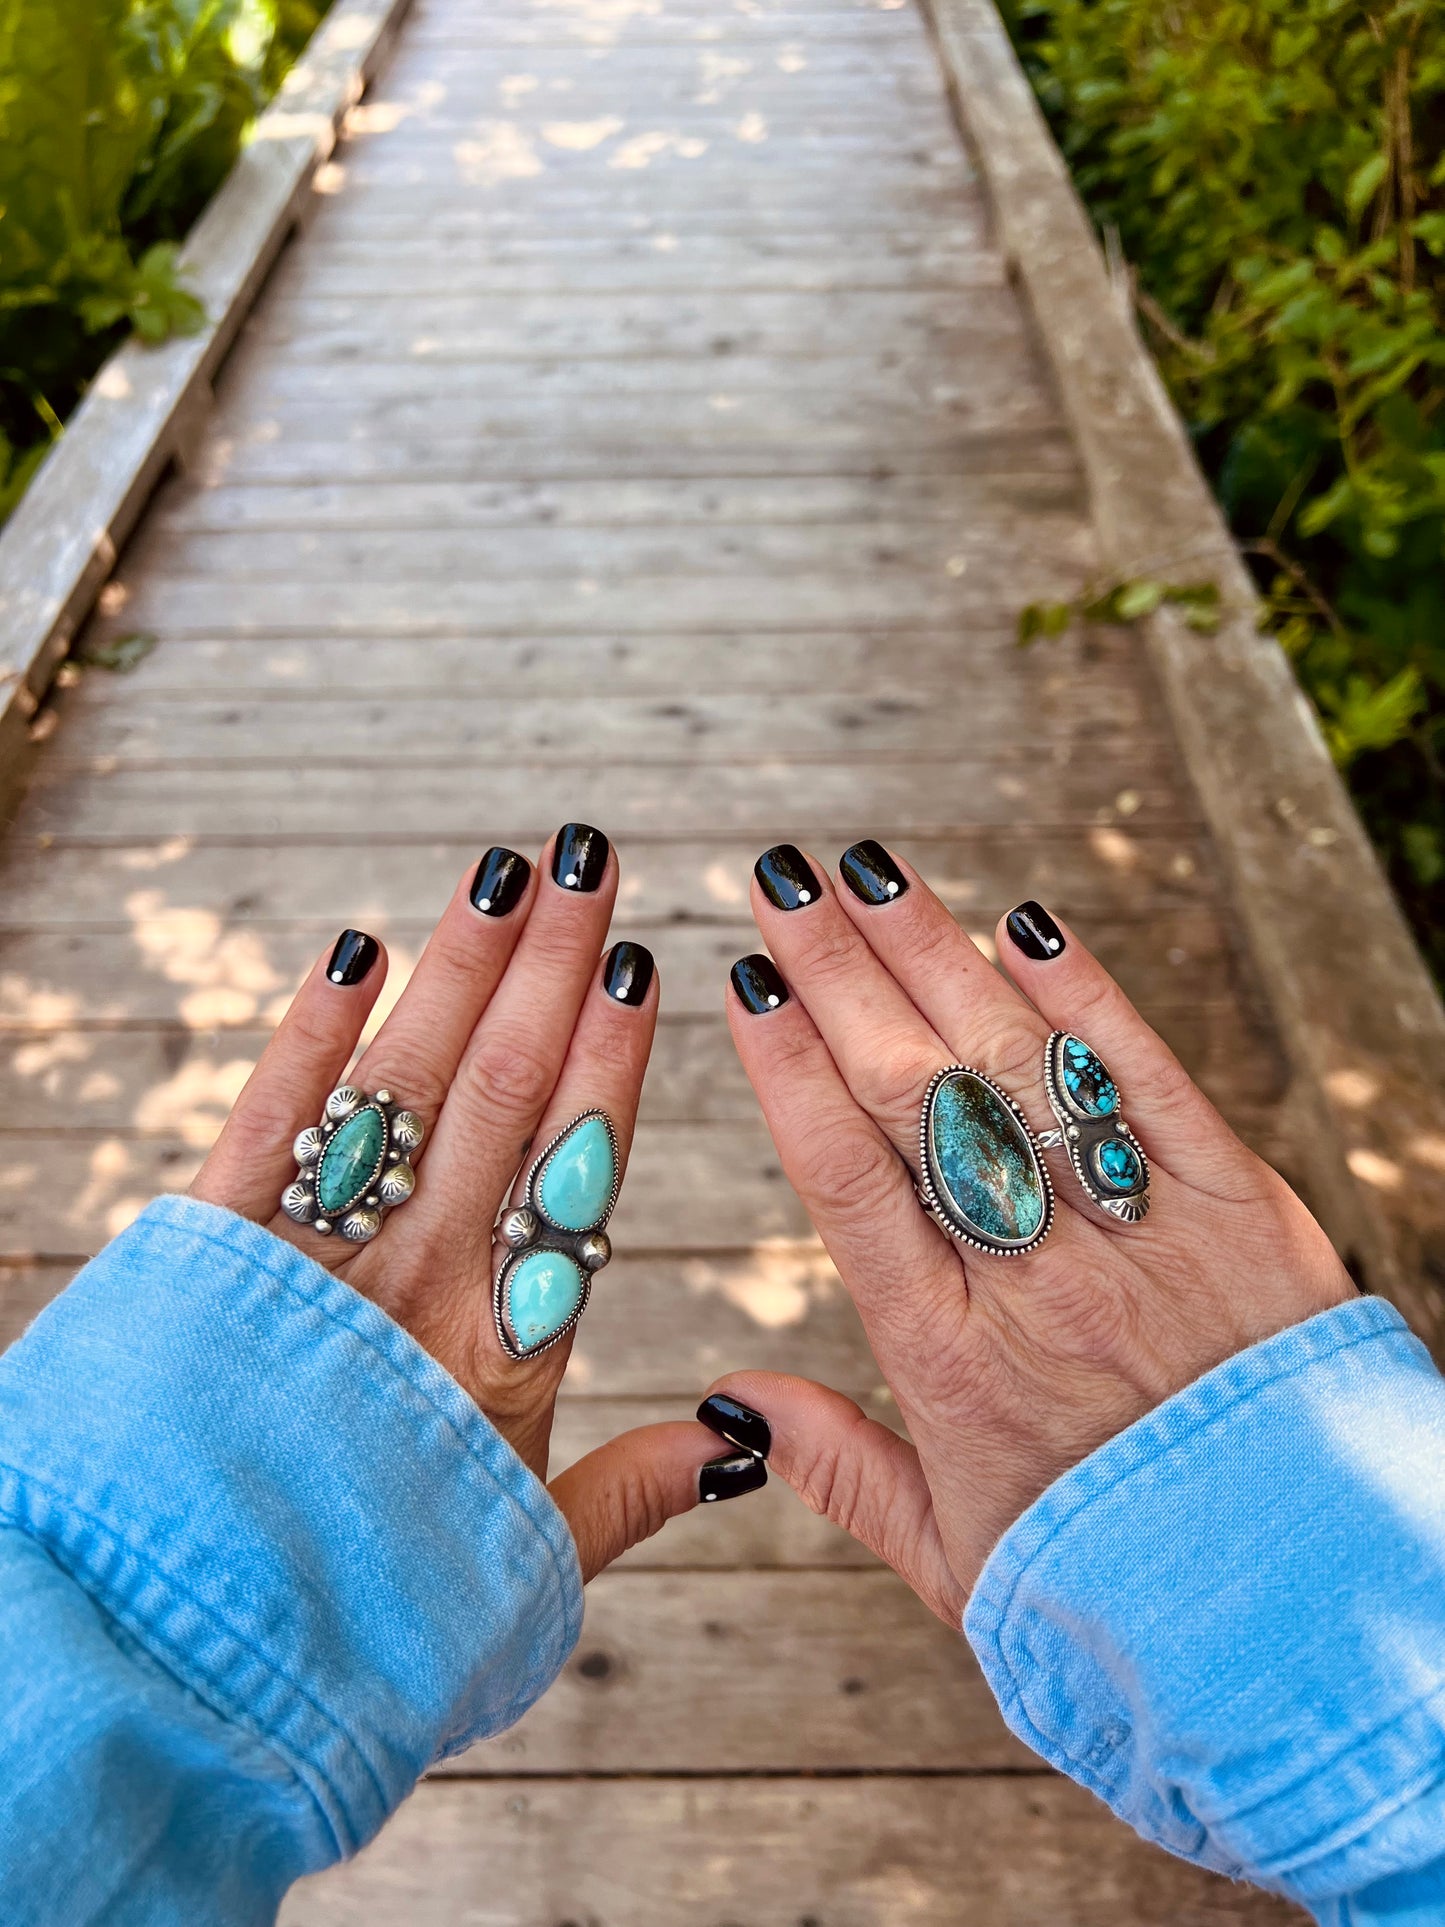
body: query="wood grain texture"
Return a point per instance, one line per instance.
(643, 429)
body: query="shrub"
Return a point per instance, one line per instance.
(118, 120)
(1272, 170)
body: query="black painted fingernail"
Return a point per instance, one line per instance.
(739, 1424)
(757, 983)
(352, 958)
(627, 973)
(870, 873)
(731, 1477)
(500, 882)
(786, 879)
(579, 857)
(1034, 932)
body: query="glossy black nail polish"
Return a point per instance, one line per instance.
(1034, 932)
(627, 973)
(579, 857)
(871, 874)
(352, 958)
(757, 983)
(787, 881)
(739, 1424)
(730, 1477)
(500, 882)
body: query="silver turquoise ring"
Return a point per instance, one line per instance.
(983, 1174)
(355, 1164)
(556, 1238)
(1108, 1159)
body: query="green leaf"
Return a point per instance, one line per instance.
(122, 655)
(1365, 182)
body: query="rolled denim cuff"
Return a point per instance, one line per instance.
(270, 1488)
(1229, 1622)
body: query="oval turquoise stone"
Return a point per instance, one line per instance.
(577, 1180)
(1117, 1164)
(1087, 1080)
(982, 1162)
(544, 1290)
(351, 1161)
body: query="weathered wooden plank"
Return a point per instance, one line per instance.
(203, 970)
(557, 75)
(1011, 1851)
(109, 1080)
(879, 1684)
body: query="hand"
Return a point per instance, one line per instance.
(504, 1033)
(1008, 1371)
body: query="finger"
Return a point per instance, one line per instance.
(897, 1264)
(252, 1160)
(628, 1489)
(885, 1049)
(511, 1060)
(1072, 991)
(981, 1018)
(849, 1468)
(416, 1051)
(603, 1071)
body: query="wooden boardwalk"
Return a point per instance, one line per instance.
(644, 431)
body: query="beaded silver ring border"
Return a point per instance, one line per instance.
(1080, 1134)
(392, 1179)
(928, 1191)
(524, 1228)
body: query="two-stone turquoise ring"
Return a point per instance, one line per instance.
(556, 1238)
(1107, 1158)
(355, 1164)
(983, 1175)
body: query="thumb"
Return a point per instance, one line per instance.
(629, 1488)
(847, 1467)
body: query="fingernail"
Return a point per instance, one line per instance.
(500, 882)
(757, 983)
(739, 1424)
(871, 874)
(730, 1477)
(1034, 932)
(786, 879)
(352, 958)
(579, 857)
(627, 973)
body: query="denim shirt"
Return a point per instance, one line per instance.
(262, 1562)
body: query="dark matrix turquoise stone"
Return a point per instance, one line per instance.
(1117, 1164)
(982, 1162)
(1087, 1080)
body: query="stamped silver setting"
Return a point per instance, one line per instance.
(525, 1228)
(1090, 1137)
(384, 1181)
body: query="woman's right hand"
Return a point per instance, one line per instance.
(1007, 1371)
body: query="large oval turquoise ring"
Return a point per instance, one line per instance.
(556, 1237)
(982, 1172)
(1107, 1158)
(355, 1165)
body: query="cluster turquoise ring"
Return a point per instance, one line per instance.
(355, 1165)
(555, 1238)
(1107, 1158)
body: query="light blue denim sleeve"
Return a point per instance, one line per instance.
(1229, 1622)
(261, 1562)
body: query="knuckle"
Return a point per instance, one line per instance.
(849, 1173)
(826, 1478)
(825, 951)
(507, 1076)
(892, 1083)
(1015, 1049)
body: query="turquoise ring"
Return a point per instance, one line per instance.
(556, 1237)
(982, 1173)
(354, 1166)
(1108, 1160)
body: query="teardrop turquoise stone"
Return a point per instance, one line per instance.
(1087, 1080)
(578, 1178)
(351, 1161)
(544, 1289)
(1117, 1163)
(982, 1162)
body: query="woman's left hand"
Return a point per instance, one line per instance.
(508, 1029)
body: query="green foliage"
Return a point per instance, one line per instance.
(1123, 602)
(118, 120)
(1275, 173)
